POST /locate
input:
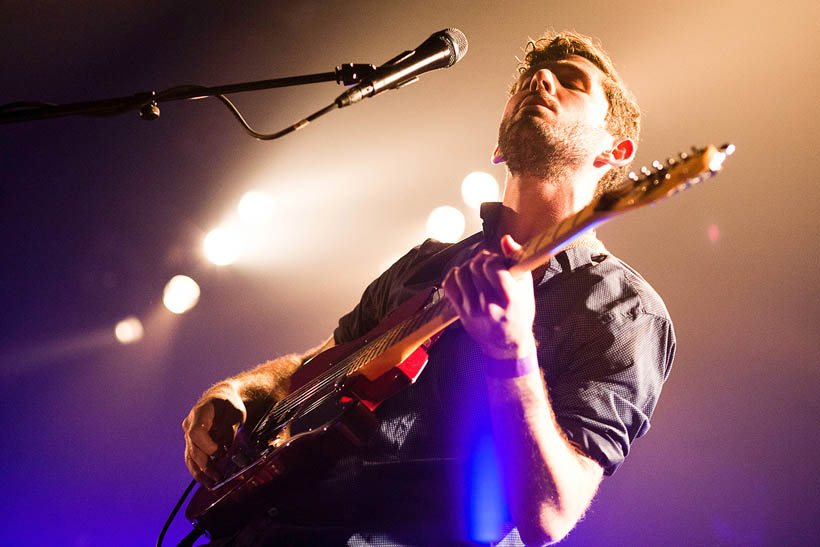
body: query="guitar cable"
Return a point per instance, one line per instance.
(190, 538)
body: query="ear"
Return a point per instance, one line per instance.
(621, 153)
(497, 158)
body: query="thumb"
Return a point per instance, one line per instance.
(509, 246)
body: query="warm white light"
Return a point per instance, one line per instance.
(478, 187)
(222, 246)
(256, 208)
(181, 294)
(129, 330)
(445, 223)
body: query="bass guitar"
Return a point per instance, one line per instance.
(328, 410)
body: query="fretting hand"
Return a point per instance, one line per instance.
(495, 308)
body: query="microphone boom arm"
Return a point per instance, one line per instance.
(147, 102)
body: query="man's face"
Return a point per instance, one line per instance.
(556, 119)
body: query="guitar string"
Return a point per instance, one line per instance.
(344, 367)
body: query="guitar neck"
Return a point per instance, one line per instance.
(542, 247)
(640, 190)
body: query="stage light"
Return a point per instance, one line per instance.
(478, 187)
(446, 224)
(129, 330)
(256, 208)
(222, 246)
(181, 294)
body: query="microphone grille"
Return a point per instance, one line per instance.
(458, 44)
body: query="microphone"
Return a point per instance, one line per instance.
(441, 50)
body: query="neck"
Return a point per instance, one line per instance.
(533, 206)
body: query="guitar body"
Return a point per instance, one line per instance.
(335, 420)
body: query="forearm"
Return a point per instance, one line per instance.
(548, 483)
(268, 382)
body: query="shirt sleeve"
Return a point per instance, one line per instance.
(376, 300)
(604, 397)
(422, 267)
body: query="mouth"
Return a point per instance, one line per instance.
(538, 102)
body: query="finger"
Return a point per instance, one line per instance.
(452, 291)
(509, 246)
(201, 438)
(470, 297)
(198, 463)
(197, 427)
(198, 459)
(227, 419)
(484, 289)
(203, 475)
(488, 281)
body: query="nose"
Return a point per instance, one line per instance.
(544, 81)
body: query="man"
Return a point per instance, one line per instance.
(563, 372)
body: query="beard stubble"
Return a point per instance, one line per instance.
(532, 147)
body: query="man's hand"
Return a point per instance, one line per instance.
(210, 427)
(495, 308)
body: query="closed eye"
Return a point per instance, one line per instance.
(573, 84)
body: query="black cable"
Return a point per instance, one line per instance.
(174, 512)
(169, 93)
(270, 136)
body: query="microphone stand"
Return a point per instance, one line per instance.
(147, 103)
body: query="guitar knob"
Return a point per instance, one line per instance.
(671, 162)
(657, 165)
(646, 171)
(633, 177)
(683, 156)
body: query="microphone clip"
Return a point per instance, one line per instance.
(353, 73)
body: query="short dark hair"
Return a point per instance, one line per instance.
(623, 118)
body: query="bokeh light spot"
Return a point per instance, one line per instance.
(478, 187)
(446, 224)
(181, 294)
(129, 330)
(222, 246)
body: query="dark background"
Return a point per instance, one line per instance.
(98, 214)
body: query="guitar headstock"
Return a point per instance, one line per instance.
(665, 180)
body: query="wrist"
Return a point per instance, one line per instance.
(511, 367)
(511, 350)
